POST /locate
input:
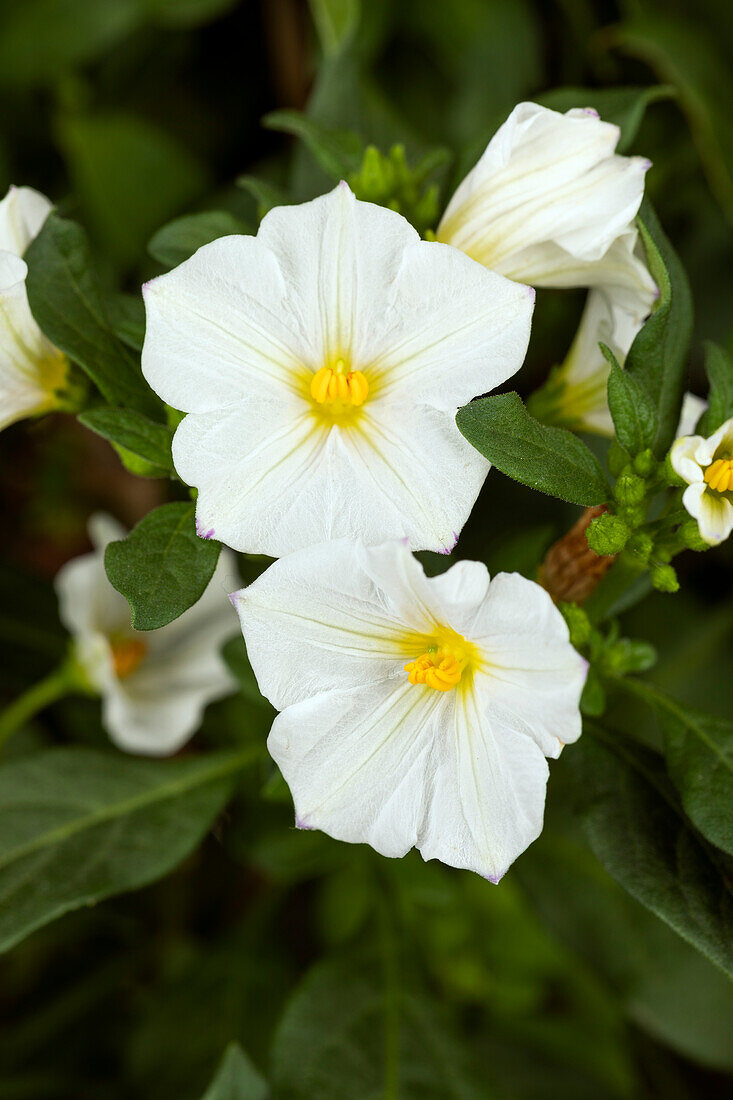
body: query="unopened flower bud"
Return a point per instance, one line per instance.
(629, 488)
(633, 515)
(670, 474)
(644, 463)
(641, 545)
(690, 535)
(617, 458)
(607, 535)
(663, 577)
(578, 624)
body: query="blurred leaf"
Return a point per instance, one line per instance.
(130, 175)
(345, 1035)
(266, 194)
(127, 317)
(178, 240)
(719, 369)
(40, 40)
(336, 21)
(640, 835)
(624, 107)
(237, 1078)
(632, 409)
(235, 656)
(658, 356)
(162, 567)
(338, 152)
(67, 303)
(550, 460)
(135, 432)
(185, 13)
(77, 826)
(686, 54)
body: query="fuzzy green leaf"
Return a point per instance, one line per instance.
(719, 369)
(135, 432)
(550, 460)
(162, 568)
(633, 411)
(179, 239)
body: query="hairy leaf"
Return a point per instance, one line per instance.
(551, 460)
(162, 568)
(633, 411)
(178, 240)
(135, 432)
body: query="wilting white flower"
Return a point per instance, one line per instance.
(33, 373)
(415, 711)
(707, 467)
(321, 364)
(154, 684)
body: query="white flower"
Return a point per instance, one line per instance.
(415, 711)
(32, 370)
(692, 409)
(550, 203)
(707, 467)
(321, 364)
(154, 684)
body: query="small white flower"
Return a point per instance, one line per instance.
(550, 203)
(707, 467)
(321, 364)
(692, 409)
(154, 684)
(415, 711)
(32, 370)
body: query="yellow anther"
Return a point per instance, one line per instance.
(719, 475)
(127, 655)
(437, 668)
(335, 384)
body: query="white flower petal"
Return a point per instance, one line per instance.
(721, 440)
(692, 409)
(22, 213)
(544, 179)
(683, 457)
(88, 604)
(713, 512)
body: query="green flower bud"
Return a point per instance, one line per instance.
(578, 624)
(607, 535)
(691, 537)
(644, 463)
(617, 458)
(641, 545)
(633, 515)
(663, 577)
(629, 488)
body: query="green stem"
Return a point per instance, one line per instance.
(59, 683)
(390, 965)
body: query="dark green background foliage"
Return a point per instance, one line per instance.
(268, 962)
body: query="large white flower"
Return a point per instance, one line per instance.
(707, 467)
(415, 711)
(321, 364)
(33, 373)
(154, 684)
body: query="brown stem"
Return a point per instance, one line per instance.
(571, 570)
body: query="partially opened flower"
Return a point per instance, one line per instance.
(415, 711)
(550, 203)
(321, 364)
(154, 684)
(707, 467)
(33, 373)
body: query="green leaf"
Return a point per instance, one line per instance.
(658, 356)
(178, 240)
(237, 1078)
(162, 568)
(127, 317)
(185, 13)
(338, 152)
(550, 460)
(235, 656)
(633, 411)
(624, 107)
(130, 175)
(135, 432)
(336, 21)
(719, 369)
(265, 193)
(345, 1033)
(67, 303)
(77, 826)
(640, 835)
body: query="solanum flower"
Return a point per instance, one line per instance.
(321, 364)
(550, 203)
(154, 684)
(415, 711)
(33, 373)
(707, 467)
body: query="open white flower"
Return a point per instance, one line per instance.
(321, 364)
(707, 467)
(33, 373)
(415, 711)
(550, 203)
(154, 684)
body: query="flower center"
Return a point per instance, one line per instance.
(719, 475)
(438, 668)
(127, 655)
(338, 385)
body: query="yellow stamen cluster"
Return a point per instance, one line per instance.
(338, 384)
(437, 668)
(719, 475)
(127, 655)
